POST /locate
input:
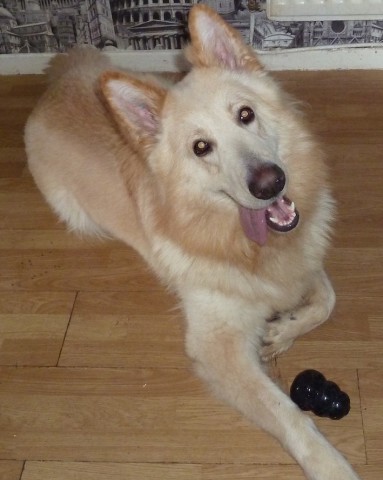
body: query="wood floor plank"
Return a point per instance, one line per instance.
(33, 326)
(22, 207)
(125, 329)
(22, 85)
(270, 472)
(81, 269)
(48, 240)
(10, 470)
(122, 416)
(91, 471)
(15, 155)
(134, 471)
(357, 270)
(355, 206)
(13, 162)
(371, 390)
(103, 340)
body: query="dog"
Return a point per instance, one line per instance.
(217, 182)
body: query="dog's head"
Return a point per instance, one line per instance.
(226, 134)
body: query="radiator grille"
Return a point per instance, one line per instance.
(324, 9)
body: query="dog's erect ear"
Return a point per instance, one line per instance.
(215, 43)
(135, 104)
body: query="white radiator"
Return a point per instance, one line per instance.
(284, 10)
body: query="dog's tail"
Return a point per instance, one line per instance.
(84, 58)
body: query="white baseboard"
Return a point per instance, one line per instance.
(360, 57)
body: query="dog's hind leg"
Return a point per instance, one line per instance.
(72, 214)
(225, 356)
(284, 328)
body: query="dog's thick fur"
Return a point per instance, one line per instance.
(113, 153)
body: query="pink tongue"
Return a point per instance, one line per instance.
(254, 224)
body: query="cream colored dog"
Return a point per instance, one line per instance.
(218, 184)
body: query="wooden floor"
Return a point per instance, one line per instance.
(94, 382)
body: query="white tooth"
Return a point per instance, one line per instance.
(272, 219)
(292, 206)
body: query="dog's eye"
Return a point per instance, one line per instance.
(246, 115)
(201, 148)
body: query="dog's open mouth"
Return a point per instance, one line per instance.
(280, 216)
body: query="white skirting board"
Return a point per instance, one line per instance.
(360, 57)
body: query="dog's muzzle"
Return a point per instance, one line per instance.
(265, 183)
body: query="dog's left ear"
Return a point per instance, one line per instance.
(215, 43)
(135, 104)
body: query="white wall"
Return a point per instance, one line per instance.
(318, 58)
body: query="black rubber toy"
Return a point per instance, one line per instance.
(311, 391)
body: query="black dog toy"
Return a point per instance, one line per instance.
(311, 391)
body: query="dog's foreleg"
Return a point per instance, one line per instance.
(287, 326)
(225, 355)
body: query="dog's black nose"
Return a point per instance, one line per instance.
(267, 181)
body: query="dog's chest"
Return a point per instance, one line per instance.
(279, 280)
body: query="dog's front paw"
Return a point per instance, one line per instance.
(277, 338)
(269, 351)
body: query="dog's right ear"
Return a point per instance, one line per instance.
(214, 43)
(135, 104)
